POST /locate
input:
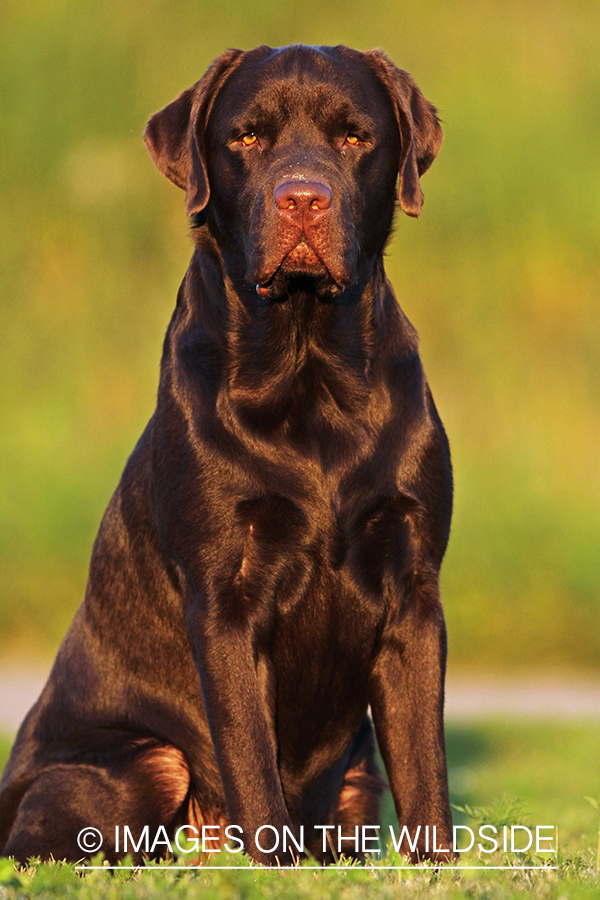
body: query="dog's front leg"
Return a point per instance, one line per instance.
(407, 700)
(237, 689)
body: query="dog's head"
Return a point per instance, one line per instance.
(291, 157)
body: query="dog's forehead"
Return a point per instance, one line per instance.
(309, 80)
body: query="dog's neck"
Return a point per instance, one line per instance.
(301, 366)
(302, 359)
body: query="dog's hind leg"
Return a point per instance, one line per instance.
(360, 796)
(148, 788)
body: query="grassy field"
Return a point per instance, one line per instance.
(573, 879)
(500, 276)
(530, 773)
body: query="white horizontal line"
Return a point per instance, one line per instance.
(431, 868)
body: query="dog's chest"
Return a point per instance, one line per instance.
(309, 565)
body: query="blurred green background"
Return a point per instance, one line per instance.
(500, 276)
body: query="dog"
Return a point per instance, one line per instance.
(263, 592)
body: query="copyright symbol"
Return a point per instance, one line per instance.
(89, 840)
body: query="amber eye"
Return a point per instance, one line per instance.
(352, 139)
(249, 139)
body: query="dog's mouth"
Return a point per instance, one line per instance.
(300, 270)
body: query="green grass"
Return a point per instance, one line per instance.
(574, 878)
(550, 767)
(534, 773)
(5, 745)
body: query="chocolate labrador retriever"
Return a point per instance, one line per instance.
(267, 569)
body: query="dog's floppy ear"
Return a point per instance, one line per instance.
(174, 136)
(420, 130)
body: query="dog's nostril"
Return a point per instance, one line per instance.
(303, 195)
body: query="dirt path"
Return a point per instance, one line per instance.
(20, 687)
(467, 698)
(528, 696)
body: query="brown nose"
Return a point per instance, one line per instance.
(305, 202)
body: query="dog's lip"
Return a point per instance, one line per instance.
(304, 261)
(303, 255)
